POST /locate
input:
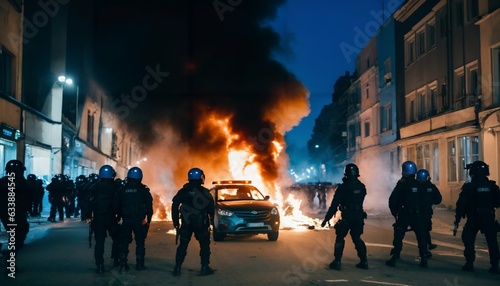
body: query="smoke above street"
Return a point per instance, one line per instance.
(196, 82)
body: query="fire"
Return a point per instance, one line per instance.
(230, 146)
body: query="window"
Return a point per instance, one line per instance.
(459, 89)
(388, 74)
(410, 50)
(367, 91)
(452, 161)
(386, 118)
(352, 136)
(367, 63)
(435, 161)
(410, 109)
(422, 105)
(6, 72)
(474, 82)
(367, 129)
(411, 154)
(472, 9)
(90, 127)
(473, 86)
(421, 42)
(427, 157)
(431, 34)
(433, 100)
(462, 150)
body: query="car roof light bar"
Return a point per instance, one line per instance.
(225, 182)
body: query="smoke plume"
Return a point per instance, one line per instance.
(194, 79)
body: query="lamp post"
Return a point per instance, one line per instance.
(64, 81)
(69, 81)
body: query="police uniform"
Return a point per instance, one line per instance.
(194, 205)
(134, 204)
(405, 203)
(57, 192)
(348, 198)
(38, 193)
(104, 219)
(15, 203)
(432, 196)
(477, 201)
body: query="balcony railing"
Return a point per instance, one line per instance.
(465, 101)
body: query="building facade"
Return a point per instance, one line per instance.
(11, 23)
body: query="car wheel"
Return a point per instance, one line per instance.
(273, 236)
(218, 236)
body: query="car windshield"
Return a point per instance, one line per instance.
(239, 193)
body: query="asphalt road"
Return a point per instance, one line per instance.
(58, 254)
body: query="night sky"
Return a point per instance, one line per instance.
(228, 56)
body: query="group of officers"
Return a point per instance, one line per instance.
(110, 206)
(124, 208)
(411, 204)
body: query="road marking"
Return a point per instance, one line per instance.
(338, 280)
(450, 245)
(384, 283)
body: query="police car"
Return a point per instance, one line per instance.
(240, 208)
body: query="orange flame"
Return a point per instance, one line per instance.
(224, 153)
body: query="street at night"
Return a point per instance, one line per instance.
(270, 130)
(58, 254)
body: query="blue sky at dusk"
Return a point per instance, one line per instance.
(322, 38)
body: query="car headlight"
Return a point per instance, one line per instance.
(224, 212)
(274, 211)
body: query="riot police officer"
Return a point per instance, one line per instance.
(194, 205)
(477, 201)
(348, 198)
(103, 218)
(84, 195)
(70, 196)
(15, 203)
(57, 195)
(134, 204)
(81, 180)
(432, 196)
(38, 193)
(405, 204)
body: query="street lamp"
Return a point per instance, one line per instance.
(69, 81)
(141, 160)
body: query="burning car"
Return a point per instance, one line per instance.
(240, 208)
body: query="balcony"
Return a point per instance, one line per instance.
(465, 101)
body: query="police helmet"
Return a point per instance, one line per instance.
(479, 168)
(15, 166)
(408, 168)
(134, 173)
(351, 170)
(81, 178)
(93, 177)
(107, 172)
(59, 177)
(196, 174)
(423, 175)
(31, 177)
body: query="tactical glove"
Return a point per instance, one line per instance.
(325, 221)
